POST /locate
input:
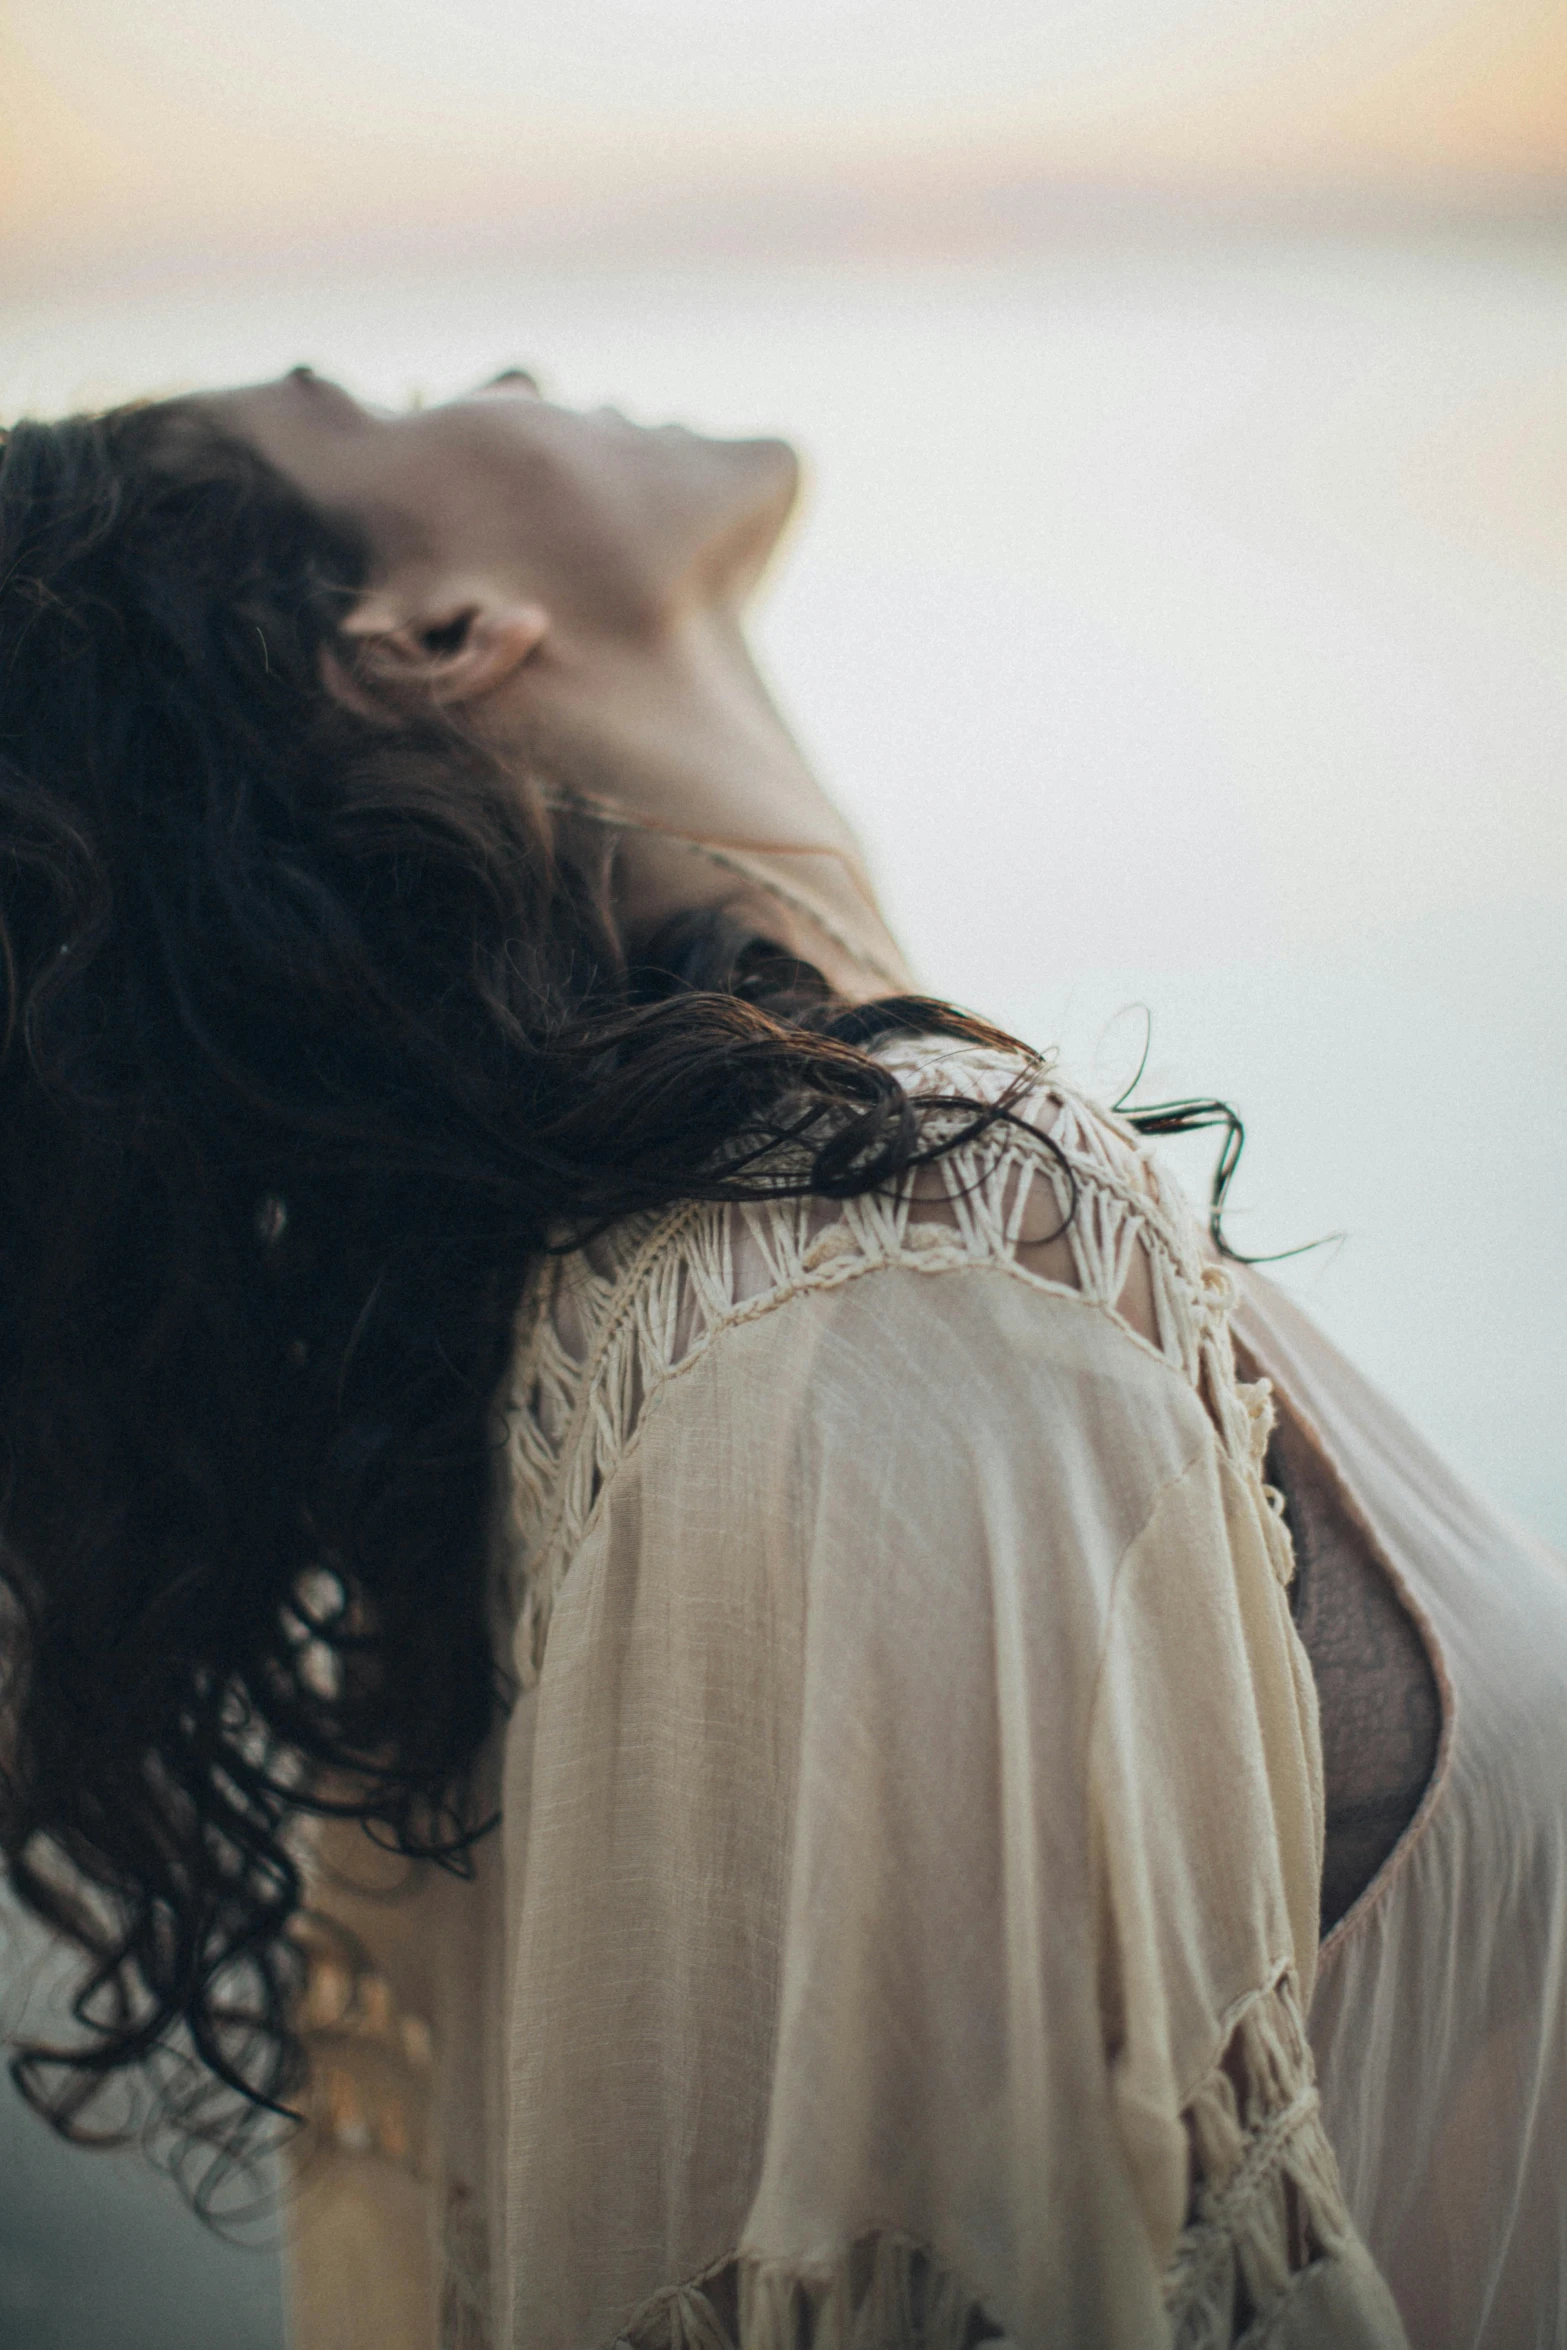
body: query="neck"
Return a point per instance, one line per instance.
(678, 744)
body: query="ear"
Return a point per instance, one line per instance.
(453, 651)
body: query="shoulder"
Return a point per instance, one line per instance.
(895, 1558)
(1053, 1227)
(1059, 1188)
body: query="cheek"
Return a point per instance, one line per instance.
(607, 535)
(608, 551)
(711, 495)
(603, 519)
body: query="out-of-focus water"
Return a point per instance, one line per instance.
(1184, 629)
(97, 2250)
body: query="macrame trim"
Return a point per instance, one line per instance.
(600, 1332)
(884, 2292)
(1267, 2202)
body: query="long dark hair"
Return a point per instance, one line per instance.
(314, 1035)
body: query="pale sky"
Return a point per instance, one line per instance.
(179, 123)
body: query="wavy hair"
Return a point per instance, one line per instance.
(314, 1034)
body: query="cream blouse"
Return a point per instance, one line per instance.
(905, 1909)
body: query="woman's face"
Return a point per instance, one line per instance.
(609, 524)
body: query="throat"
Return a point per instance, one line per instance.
(680, 750)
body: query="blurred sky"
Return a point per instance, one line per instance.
(206, 127)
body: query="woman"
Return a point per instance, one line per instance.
(512, 1310)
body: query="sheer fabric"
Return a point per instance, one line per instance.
(1440, 2016)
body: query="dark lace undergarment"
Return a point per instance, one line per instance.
(1376, 1692)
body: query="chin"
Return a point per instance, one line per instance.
(773, 466)
(750, 485)
(725, 502)
(780, 458)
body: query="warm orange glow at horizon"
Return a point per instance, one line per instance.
(169, 136)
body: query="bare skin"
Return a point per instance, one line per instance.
(574, 586)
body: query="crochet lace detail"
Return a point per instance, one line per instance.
(602, 1330)
(1267, 2203)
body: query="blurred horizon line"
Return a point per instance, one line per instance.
(898, 211)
